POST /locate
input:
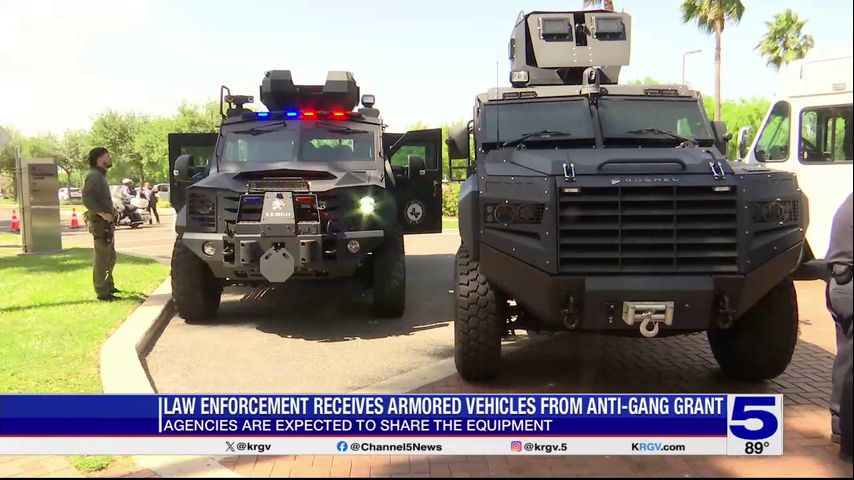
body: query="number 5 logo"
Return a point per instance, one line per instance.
(743, 410)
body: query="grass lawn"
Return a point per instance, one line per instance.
(51, 325)
(450, 222)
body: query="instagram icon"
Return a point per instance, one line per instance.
(516, 446)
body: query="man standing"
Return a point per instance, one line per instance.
(840, 260)
(99, 219)
(150, 194)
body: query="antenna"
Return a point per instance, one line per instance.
(497, 108)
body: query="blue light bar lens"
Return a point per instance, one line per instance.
(292, 114)
(262, 114)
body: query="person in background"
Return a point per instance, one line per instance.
(840, 260)
(99, 218)
(128, 191)
(150, 194)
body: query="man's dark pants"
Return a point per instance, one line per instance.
(105, 258)
(840, 304)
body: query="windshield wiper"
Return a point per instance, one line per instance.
(339, 129)
(541, 133)
(647, 131)
(262, 130)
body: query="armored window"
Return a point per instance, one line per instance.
(609, 28)
(773, 144)
(424, 151)
(826, 135)
(556, 30)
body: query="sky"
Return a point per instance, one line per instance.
(61, 62)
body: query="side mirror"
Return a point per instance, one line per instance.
(416, 164)
(458, 142)
(183, 168)
(743, 135)
(722, 137)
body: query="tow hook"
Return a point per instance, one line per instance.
(726, 314)
(570, 314)
(645, 325)
(649, 315)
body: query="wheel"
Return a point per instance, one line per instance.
(135, 225)
(479, 323)
(195, 289)
(389, 277)
(760, 344)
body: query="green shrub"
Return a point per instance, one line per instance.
(450, 199)
(164, 204)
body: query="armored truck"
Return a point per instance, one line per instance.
(598, 207)
(312, 188)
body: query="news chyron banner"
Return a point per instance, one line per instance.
(392, 424)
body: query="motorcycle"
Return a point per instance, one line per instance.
(131, 214)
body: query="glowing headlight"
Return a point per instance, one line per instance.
(367, 205)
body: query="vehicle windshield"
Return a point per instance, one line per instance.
(639, 120)
(537, 123)
(296, 142)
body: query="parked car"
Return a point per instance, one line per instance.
(72, 193)
(163, 192)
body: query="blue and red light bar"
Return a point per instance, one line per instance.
(302, 115)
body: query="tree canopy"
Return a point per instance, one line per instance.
(784, 41)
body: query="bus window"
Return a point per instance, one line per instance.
(826, 134)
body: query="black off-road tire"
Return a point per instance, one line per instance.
(760, 344)
(195, 289)
(479, 323)
(389, 277)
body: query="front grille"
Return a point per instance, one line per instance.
(658, 229)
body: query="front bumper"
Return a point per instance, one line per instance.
(597, 302)
(274, 259)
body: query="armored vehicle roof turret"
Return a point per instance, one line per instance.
(554, 48)
(340, 92)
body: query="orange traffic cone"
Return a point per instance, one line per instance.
(74, 222)
(16, 227)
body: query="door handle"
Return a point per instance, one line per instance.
(435, 188)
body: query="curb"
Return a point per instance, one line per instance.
(123, 371)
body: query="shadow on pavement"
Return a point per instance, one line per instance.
(341, 310)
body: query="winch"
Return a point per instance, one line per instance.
(649, 314)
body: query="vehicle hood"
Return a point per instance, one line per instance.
(319, 176)
(607, 161)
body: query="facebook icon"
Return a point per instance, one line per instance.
(342, 446)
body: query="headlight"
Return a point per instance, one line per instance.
(507, 213)
(209, 249)
(367, 205)
(777, 211)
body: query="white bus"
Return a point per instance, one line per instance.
(808, 131)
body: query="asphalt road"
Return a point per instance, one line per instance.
(313, 336)
(149, 240)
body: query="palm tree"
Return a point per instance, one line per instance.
(711, 17)
(783, 41)
(604, 4)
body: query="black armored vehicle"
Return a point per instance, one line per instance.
(312, 188)
(594, 206)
